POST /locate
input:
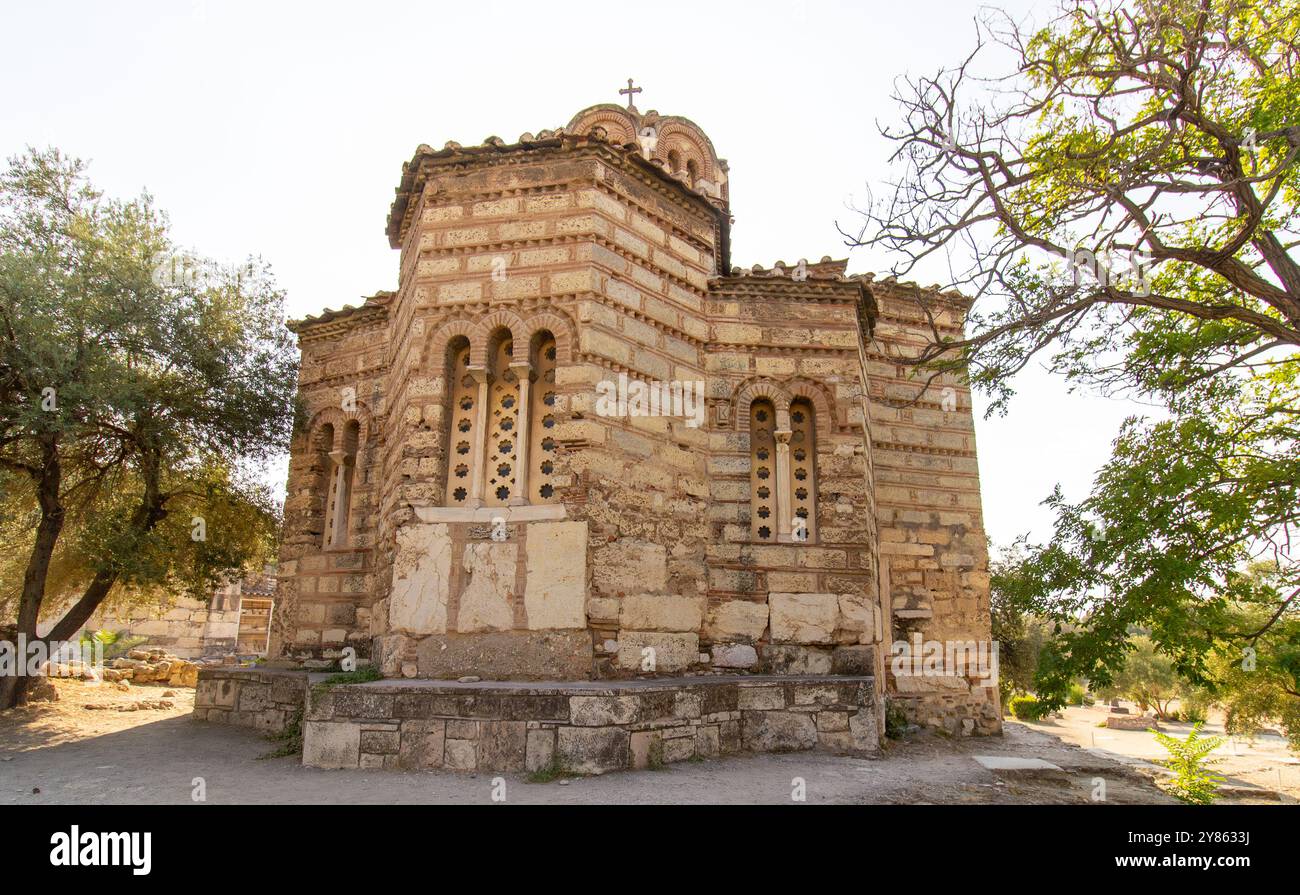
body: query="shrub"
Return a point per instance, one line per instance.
(1192, 783)
(895, 720)
(1196, 707)
(1027, 708)
(1077, 696)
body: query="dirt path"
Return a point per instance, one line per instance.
(1263, 764)
(65, 753)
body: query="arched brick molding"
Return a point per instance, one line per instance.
(816, 395)
(483, 330)
(752, 391)
(339, 418)
(435, 351)
(681, 139)
(620, 128)
(559, 327)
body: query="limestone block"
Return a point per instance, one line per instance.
(853, 660)
(707, 744)
(460, 755)
(804, 618)
(793, 659)
(778, 731)
(540, 750)
(422, 744)
(602, 609)
(603, 711)
(737, 620)
(215, 694)
(864, 727)
(592, 750)
(421, 572)
(628, 566)
(331, 744)
(502, 745)
(390, 652)
(760, 698)
(857, 615)
(487, 602)
(734, 655)
(507, 655)
(656, 652)
(556, 593)
(661, 612)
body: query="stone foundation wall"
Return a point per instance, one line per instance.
(586, 729)
(265, 700)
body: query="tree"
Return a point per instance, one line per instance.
(1255, 675)
(137, 393)
(1019, 635)
(1148, 677)
(1121, 198)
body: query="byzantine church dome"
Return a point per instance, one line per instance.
(674, 143)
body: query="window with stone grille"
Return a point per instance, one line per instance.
(783, 472)
(502, 447)
(464, 423)
(762, 471)
(542, 421)
(501, 450)
(803, 471)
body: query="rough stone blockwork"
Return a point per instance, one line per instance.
(586, 729)
(267, 701)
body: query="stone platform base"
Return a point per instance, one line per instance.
(585, 728)
(578, 727)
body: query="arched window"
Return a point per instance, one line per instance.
(762, 471)
(541, 422)
(463, 426)
(803, 470)
(692, 171)
(501, 449)
(338, 506)
(674, 161)
(502, 445)
(322, 482)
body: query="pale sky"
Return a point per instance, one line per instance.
(280, 130)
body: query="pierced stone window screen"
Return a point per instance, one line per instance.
(762, 471)
(338, 506)
(503, 429)
(463, 415)
(803, 471)
(541, 425)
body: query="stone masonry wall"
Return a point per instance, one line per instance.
(932, 541)
(791, 607)
(268, 700)
(186, 627)
(586, 729)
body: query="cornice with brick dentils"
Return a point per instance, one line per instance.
(627, 158)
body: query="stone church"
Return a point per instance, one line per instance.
(577, 443)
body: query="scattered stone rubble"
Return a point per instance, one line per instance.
(153, 666)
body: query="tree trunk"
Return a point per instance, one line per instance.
(13, 689)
